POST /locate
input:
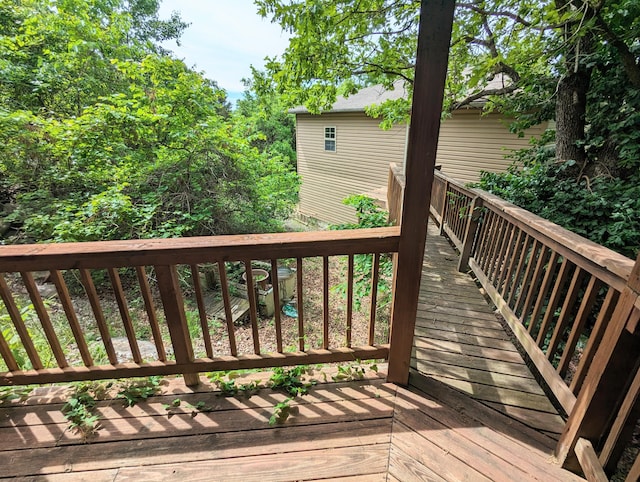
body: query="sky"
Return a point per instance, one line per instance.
(224, 39)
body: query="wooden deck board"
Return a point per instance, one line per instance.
(460, 342)
(465, 430)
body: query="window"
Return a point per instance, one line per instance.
(330, 139)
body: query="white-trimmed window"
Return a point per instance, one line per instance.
(330, 139)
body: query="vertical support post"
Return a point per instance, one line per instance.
(173, 304)
(436, 20)
(469, 234)
(444, 205)
(616, 358)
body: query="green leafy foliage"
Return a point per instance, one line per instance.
(226, 383)
(291, 380)
(104, 135)
(368, 215)
(281, 411)
(134, 391)
(603, 209)
(79, 410)
(11, 394)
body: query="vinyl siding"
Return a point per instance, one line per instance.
(360, 163)
(468, 143)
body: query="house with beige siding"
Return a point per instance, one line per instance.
(343, 151)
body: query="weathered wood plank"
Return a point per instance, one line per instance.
(193, 250)
(513, 429)
(429, 454)
(347, 461)
(589, 461)
(549, 423)
(464, 339)
(467, 349)
(462, 328)
(144, 427)
(109, 455)
(492, 379)
(404, 467)
(479, 363)
(264, 360)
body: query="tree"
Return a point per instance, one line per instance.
(104, 135)
(269, 126)
(556, 58)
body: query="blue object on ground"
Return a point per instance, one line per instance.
(290, 310)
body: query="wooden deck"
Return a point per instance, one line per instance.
(357, 430)
(460, 342)
(473, 411)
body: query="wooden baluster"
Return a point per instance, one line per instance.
(325, 302)
(470, 234)
(542, 293)
(588, 299)
(375, 275)
(513, 258)
(483, 241)
(7, 356)
(300, 304)
(605, 314)
(476, 251)
(495, 247)
(253, 306)
(204, 324)
(67, 305)
(505, 256)
(534, 284)
(124, 314)
(619, 353)
(94, 301)
(565, 312)
(276, 303)
(498, 260)
(515, 281)
(526, 278)
(226, 300)
(445, 208)
(554, 299)
(487, 245)
(16, 318)
(47, 326)
(623, 425)
(634, 472)
(151, 312)
(350, 264)
(173, 304)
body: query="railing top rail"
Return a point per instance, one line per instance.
(139, 252)
(612, 266)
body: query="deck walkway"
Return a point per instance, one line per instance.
(473, 411)
(460, 342)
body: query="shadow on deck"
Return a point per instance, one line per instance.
(473, 411)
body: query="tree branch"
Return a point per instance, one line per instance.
(483, 93)
(631, 68)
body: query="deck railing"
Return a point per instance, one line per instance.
(163, 272)
(561, 294)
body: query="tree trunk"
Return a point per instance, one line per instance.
(571, 106)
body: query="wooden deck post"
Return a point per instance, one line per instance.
(617, 357)
(436, 20)
(443, 216)
(469, 234)
(169, 287)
